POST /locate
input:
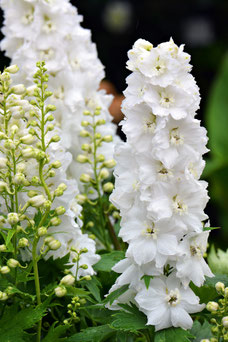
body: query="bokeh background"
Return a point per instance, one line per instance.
(202, 26)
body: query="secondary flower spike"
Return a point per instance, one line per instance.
(157, 188)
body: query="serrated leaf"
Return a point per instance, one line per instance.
(108, 260)
(95, 334)
(115, 294)
(93, 286)
(55, 333)
(173, 334)
(129, 321)
(201, 331)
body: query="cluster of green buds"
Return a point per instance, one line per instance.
(99, 170)
(73, 307)
(219, 313)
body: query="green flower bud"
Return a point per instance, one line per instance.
(3, 163)
(86, 147)
(81, 199)
(12, 69)
(67, 280)
(13, 218)
(56, 164)
(85, 123)
(50, 118)
(27, 139)
(109, 163)
(60, 190)
(50, 108)
(85, 178)
(4, 269)
(3, 296)
(81, 158)
(60, 210)
(100, 158)
(32, 193)
(97, 135)
(42, 231)
(29, 152)
(50, 127)
(86, 112)
(107, 138)
(84, 133)
(100, 122)
(20, 179)
(55, 138)
(51, 173)
(31, 90)
(47, 204)
(116, 215)
(212, 306)
(35, 181)
(3, 248)
(60, 291)
(84, 266)
(23, 242)
(108, 187)
(225, 322)
(12, 263)
(220, 287)
(54, 245)
(104, 173)
(55, 221)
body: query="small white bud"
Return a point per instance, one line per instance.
(104, 173)
(85, 123)
(109, 163)
(3, 186)
(18, 89)
(37, 201)
(100, 158)
(48, 239)
(3, 296)
(81, 199)
(13, 218)
(4, 269)
(55, 138)
(31, 90)
(12, 263)
(2, 248)
(29, 152)
(85, 178)
(84, 133)
(56, 164)
(60, 291)
(81, 158)
(20, 179)
(220, 287)
(23, 242)
(108, 187)
(42, 231)
(100, 122)
(60, 210)
(3, 163)
(54, 245)
(225, 322)
(12, 69)
(27, 139)
(67, 280)
(60, 189)
(212, 306)
(107, 138)
(55, 221)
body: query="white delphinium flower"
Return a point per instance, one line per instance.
(157, 190)
(51, 31)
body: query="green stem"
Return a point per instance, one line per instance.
(37, 283)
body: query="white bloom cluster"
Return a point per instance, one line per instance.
(158, 191)
(50, 30)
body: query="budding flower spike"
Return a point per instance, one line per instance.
(157, 187)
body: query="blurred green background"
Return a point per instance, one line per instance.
(202, 26)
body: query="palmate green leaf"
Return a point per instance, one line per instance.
(55, 333)
(173, 334)
(108, 260)
(115, 294)
(95, 334)
(131, 321)
(12, 326)
(201, 331)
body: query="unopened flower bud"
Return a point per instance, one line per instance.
(42, 231)
(109, 163)
(67, 280)
(116, 215)
(226, 292)
(81, 158)
(60, 291)
(12, 263)
(23, 242)
(3, 248)
(86, 147)
(86, 277)
(86, 112)
(81, 199)
(18, 89)
(4, 269)
(220, 287)
(50, 127)
(29, 152)
(108, 187)
(35, 180)
(3, 186)
(107, 138)
(55, 138)
(3, 163)
(83, 250)
(32, 193)
(27, 139)
(212, 306)
(37, 201)
(47, 204)
(40, 155)
(60, 189)
(50, 118)
(55, 221)
(31, 90)
(97, 135)
(9, 144)
(12, 218)
(54, 245)
(84, 266)
(104, 173)
(225, 322)
(12, 69)
(56, 164)
(85, 123)
(85, 178)
(51, 173)
(20, 179)
(84, 133)
(3, 296)
(100, 122)
(50, 108)
(100, 158)
(60, 210)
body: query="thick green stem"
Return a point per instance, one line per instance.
(37, 283)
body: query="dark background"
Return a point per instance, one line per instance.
(201, 25)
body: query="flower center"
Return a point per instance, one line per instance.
(48, 26)
(179, 206)
(59, 93)
(173, 297)
(28, 17)
(75, 63)
(150, 231)
(163, 172)
(197, 251)
(159, 67)
(167, 100)
(150, 123)
(47, 54)
(175, 137)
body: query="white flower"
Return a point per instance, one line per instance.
(166, 303)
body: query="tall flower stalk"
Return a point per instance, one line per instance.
(158, 191)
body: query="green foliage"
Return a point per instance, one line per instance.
(173, 334)
(131, 319)
(201, 331)
(116, 294)
(55, 333)
(94, 334)
(218, 261)
(12, 326)
(108, 260)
